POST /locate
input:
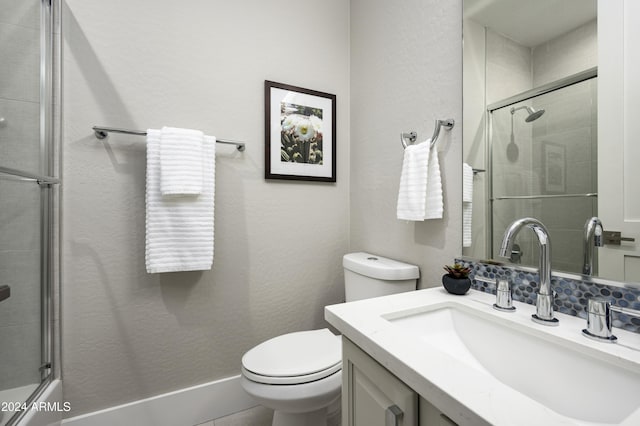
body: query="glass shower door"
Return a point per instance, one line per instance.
(544, 165)
(26, 199)
(20, 272)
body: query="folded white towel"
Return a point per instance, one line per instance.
(179, 229)
(180, 161)
(420, 193)
(467, 204)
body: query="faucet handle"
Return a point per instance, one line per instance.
(599, 322)
(504, 300)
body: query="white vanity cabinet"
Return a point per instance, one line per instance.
(372, 396)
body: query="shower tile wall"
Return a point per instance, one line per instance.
(20, 200)
(19, 85)
(565, 55)
(508, 67)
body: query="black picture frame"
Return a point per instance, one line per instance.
(300, 133)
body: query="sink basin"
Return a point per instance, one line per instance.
(569, 379)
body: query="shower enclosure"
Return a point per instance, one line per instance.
(27, 195)
(543, 163)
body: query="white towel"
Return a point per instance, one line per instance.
(179, 229)
(420, 193)
(467, 203)
(180, 161)
(467, 183)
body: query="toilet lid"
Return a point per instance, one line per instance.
(293, 358)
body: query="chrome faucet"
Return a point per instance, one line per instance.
(592, 238)
(544, 299)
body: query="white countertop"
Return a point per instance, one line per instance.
(463, 393)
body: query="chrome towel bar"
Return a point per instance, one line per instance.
(411, 137)
(102, 132)
(539, 197)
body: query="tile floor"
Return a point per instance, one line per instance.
(256, 416)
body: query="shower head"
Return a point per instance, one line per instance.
(533, 114)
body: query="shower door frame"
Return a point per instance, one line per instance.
(47, 198)
(49, 185)
(529, 94)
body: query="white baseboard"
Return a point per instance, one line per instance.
(189, 406)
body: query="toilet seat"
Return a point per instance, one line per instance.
(294, 358)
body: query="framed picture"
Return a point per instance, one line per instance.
(555, 165)
(300, 133)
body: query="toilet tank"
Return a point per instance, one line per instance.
(367, 275)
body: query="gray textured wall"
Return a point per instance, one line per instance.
(128, 335)
(201, 64)
(406, 71)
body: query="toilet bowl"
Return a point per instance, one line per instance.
(299, 375)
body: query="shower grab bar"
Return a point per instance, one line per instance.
(409, 138)
(102, 132)
(535, 197)
(22, 175)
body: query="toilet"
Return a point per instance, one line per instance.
(299, 375)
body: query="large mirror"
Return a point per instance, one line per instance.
(531, 133)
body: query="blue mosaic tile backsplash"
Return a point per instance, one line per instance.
(572, 295)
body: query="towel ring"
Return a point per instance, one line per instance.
(410, 138)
